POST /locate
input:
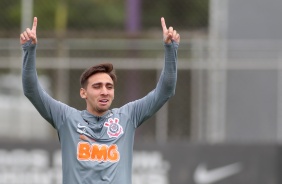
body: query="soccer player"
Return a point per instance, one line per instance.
(97, 143)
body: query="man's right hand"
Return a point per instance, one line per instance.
(29, 34)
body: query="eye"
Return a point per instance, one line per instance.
(96, 86)
(110, 86)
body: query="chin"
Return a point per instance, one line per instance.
(103, 110)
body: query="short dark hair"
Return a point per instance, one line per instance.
(100, 68)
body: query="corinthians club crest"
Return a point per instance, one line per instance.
(114, 128)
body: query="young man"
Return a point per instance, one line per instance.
(97, 143)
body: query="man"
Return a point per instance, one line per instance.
(97, 143)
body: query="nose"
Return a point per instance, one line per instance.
(104, 91)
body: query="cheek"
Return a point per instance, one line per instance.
(92, 95)
(113, 94)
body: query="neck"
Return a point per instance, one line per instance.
(97, 113)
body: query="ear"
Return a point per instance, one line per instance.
(83, 93)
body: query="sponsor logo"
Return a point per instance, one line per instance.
(81, 129)
(81, 126)
(114, 128)
(204, 176)
(97, 152)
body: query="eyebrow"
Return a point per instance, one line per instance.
(100, 83)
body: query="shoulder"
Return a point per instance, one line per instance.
(125, 109)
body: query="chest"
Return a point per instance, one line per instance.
(105, 130)
(102, 141)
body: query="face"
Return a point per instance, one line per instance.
(98, 94)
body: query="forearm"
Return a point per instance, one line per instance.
(29, 74)
(31, 87)
(167, 82)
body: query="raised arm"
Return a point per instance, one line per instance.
(50, 109)
(145, 107)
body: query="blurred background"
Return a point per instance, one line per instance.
(225, 116)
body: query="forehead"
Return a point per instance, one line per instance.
(100, 78)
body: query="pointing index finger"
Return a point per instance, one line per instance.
(34, 24)
(163, 24)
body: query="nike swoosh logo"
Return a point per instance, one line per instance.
(81, 126)
(204, 176)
